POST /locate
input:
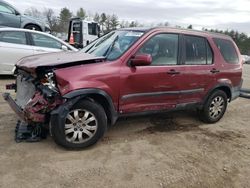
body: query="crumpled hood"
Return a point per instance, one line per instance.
(57, 59)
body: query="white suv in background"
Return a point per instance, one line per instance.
(18, 43)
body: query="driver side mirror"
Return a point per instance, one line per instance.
(141, 60)
(64, 48)
(17, 13)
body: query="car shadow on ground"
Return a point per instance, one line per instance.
(165, 122)
(132, 128)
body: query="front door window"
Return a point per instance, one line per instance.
(163, 49)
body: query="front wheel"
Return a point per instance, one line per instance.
(33, 27)
(84, 125)
(215, 107)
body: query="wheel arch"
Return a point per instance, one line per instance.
(98, 96)
(223, 87)
(227, 90)
(34, 25)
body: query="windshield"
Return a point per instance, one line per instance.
(113, 44)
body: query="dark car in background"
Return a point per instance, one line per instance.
(11, 17)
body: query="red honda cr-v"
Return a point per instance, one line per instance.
(128, 71)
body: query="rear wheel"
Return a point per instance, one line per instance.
(32, 27)
(84, 125)
(215, 107)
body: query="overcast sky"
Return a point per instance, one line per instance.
(221, 14)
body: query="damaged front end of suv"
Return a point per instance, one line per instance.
(72, 95)
(38, 98)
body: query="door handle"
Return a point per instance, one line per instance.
(172, 71)
(214, 71)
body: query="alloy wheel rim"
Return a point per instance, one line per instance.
(80, 126)
(216, 107)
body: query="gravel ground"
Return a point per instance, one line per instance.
(167, 150)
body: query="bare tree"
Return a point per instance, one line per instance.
(51, 19)
(32, 11)
(124, 24)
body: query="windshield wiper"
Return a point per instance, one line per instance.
(110, 48)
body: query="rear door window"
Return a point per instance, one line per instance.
(197, 51)
(227, 50)
(45, 41)
(14, 37)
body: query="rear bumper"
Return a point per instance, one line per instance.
(236, 91)
(14, 106)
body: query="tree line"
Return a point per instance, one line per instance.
(59, 24)
(241, 39)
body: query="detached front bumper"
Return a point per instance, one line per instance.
(14, 106)
(30, 113)
(24, 131)
(36, 109)
(34, 101)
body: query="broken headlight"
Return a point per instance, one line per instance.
(49, 81)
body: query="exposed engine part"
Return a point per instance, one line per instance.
(50, 81)
(30, 133)
(25, 90)
(39, 105)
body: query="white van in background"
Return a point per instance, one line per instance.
(82, 32)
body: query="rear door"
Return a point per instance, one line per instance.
(44, 44)
(13, 47)
(8, 16)
(198, 69)
(153, 87)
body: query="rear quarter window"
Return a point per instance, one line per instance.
(227, 50)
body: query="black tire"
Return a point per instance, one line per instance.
(59, 131)
(206, 114)
(33, 27)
